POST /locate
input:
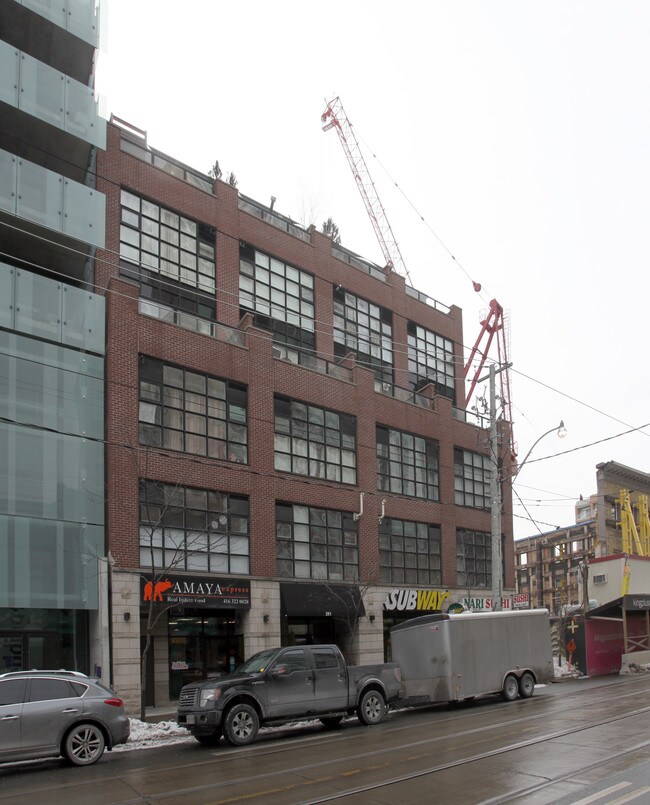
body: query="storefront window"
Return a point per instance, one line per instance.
(41, 638)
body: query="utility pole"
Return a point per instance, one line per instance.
(495, 497)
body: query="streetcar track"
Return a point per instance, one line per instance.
(475, 758)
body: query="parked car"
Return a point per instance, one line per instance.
(52, 713)
(287, 684)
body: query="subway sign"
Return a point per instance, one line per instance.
(415, 600)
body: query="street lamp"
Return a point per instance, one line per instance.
(561, 433)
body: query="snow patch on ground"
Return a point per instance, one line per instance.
(166, 733)
(149, 736)
(563, 671)
(634, 668)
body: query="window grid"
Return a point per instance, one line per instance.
(472, 472)
(280, 296)
(366, 329)
(409, 552)
(313, 543)
(191, 412)
(407, 464)
(183, 528)
(165, 242)
(315, 441)
(473, 558)
(431, 360)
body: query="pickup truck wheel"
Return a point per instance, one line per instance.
(209, 740)
(241, 725)
(332, 722)
(510, 688)
(526, 685)
(372, 708)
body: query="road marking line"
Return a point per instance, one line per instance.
(632, 795)
(601, 794)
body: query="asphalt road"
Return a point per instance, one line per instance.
(575, 742)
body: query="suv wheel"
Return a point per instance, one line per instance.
(84, 744)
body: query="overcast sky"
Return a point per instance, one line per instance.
(512, 134)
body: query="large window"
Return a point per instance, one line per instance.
(409, 553)
(316, 543)
(192, 412)
(314, 441)
(472, 472)
(174, 256)
(280, 296)
(473, 558)
(367, 330)
(407, 464)
(193, 529)
(431, 360)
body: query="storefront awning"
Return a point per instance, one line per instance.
(334, 600)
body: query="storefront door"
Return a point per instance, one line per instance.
(202, 645)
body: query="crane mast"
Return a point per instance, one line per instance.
(334, 117)
(493, 328)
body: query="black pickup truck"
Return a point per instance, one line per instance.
(280, 685)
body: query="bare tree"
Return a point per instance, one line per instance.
(232, 179)
(350, 598)
(164, 553)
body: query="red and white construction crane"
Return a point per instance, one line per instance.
(334, 117)
(493, 325)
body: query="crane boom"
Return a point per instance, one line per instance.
(334, 117)
(493, 324)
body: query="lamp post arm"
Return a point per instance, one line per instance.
(520, 466)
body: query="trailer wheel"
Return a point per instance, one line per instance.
(526, 685)
(241, 725)
(372, 708)
(510, 689)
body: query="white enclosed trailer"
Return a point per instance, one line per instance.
(448, 658)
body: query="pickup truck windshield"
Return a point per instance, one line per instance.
(258, 662)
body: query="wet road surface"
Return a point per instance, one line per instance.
(576, 742)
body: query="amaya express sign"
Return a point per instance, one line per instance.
(415, 600)
(197, 591)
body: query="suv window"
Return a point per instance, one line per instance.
(325, 658)
(78, 688)
(42, 690)
(12, 691)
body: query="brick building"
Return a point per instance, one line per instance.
(548, 566)
(283, 421)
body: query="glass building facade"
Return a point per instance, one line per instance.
(52, 476)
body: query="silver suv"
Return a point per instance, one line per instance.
(52, 713)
